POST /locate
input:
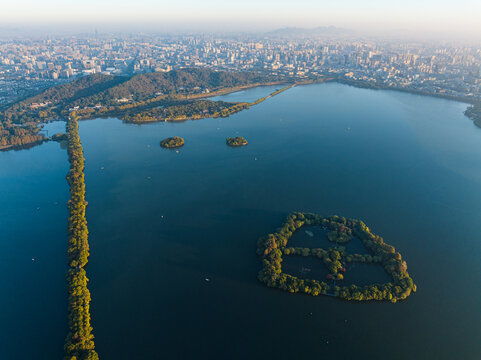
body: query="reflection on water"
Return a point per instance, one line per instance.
(53, 127)
(355, 246)
(304, 267)
(310, 237)
(362, 274)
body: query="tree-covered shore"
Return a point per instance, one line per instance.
(474, 113)
(79, 343)
(273, 247)
(474, 106)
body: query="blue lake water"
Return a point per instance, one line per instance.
(161, 222)
(33, 246)
(363, 274)
(53, 127)
(311, 237)
(305, 267)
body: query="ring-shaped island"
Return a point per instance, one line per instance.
(274, 247)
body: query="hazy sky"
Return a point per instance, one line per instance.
(460, 16)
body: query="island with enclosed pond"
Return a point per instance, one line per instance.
(273, 247)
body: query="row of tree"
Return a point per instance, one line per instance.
(79, 343)
(258, 101)
(272, 247)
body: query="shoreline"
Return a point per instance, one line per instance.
(366, 85)
(237, 107)
(79, 343)
(475, 117)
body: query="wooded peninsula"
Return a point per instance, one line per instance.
(160, 96)
(273, 247)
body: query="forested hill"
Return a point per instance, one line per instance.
(144, 86)
(108, 90)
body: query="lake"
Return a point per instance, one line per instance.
(173, 234)
(33, 248)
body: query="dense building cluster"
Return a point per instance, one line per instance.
(455, 70)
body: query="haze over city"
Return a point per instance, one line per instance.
(422, 17)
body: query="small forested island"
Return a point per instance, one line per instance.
(273, 247)
(172, 142)
(236, 141)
